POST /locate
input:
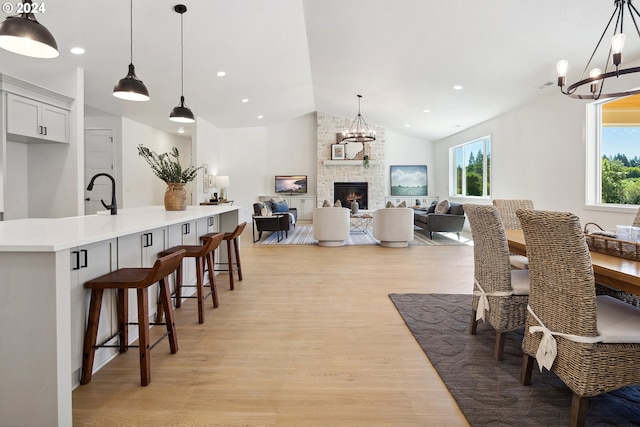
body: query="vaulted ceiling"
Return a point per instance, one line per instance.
(292, 57)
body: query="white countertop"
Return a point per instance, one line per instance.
(55, 234)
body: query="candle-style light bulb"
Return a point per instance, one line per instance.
(617, 43)
(562, 67)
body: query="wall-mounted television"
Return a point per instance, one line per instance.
(291, 184)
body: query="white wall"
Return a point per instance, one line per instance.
(206, 142)
(16, 197)
(537, 152)
(140, 185)
(407, 150)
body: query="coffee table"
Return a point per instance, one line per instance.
(358, 223)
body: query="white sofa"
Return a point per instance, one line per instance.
(331, 226)
(393, 226)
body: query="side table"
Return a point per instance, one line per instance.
(273, 224)
(360, 222)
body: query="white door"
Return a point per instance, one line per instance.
(98, 158)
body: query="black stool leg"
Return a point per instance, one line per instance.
(212, 280)
(230, 264)
(200, 288)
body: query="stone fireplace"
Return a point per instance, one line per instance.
(347, 192)
(348, 171)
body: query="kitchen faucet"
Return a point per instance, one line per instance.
(114, 205)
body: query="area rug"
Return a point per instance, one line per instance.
(489, 392)
(303, 235)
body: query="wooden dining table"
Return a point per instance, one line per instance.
(615, 272)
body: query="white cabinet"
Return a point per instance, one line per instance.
(89, 262)
(304, 205)
(141, 250)
(185, 233)
(29, 120)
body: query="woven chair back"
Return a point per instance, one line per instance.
(490, 249)
(508, 208)
(561, 274)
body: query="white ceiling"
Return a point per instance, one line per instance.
(293, 57)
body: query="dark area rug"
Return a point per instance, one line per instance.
(489, 392)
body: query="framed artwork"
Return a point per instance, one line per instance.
(409, 180)
(337, 152)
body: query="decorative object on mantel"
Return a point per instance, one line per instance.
(359, 131)
(365, 162)
(337, 151)
(596, 77)
(181, 113)
(172, 173)
(24, 35)
(131, 87)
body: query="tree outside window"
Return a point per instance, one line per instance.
(472, 168)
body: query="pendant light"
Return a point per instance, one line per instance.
(181, 113)
(131, 87)
(23, 34)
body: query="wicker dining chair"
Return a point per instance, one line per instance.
(507, 209)
(601, 349)
(502, 291)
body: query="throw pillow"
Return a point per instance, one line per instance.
(432, 207)
(402, 205)
(442, 207)
(389, 205)
(277, 199)
(326, 204)
(338, 204)
(280, 206)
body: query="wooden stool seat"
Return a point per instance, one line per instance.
(202, 254)
(122, 280)
(231, 237)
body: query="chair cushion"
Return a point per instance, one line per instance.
(442, 207)
(455, 209)
(520, 282)
(618, 322)
(280, 206)
(519, 261)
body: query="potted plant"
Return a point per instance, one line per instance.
(167, 167)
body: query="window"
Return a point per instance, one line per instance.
(616, 153)
(471, 168)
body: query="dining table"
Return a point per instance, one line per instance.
(615, 272)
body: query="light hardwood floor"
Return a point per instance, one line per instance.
(308, 338)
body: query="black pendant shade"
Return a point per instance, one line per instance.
(180, 113)
(131, 87)
(24, 35)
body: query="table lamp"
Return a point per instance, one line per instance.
(222, 182)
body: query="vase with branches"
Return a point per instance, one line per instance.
(167, 167)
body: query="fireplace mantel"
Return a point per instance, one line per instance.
(347, 162)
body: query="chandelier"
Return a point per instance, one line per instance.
(359, 131)
(597, 77)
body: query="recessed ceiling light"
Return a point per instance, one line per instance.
(77, 50)
(245, 100)
(180, 130)
(426, 111)
(457, 87)
(221, 74)
(260, 117)
(407, 125)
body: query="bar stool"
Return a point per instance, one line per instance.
(201, 254)
(122, 280)
(231, 237)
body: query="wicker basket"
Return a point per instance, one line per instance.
(175, 197)
(611, 246)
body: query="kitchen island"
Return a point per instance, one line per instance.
(44, 263)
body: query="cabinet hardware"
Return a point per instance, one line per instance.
(85, 256)
(76, 260)
(186, 228)
(45, 130)
(40, 131)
